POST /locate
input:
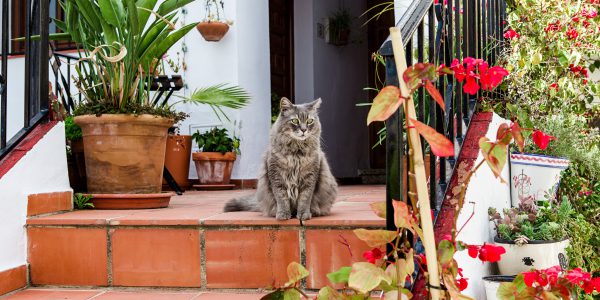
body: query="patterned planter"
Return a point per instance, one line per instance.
(533, 255)
(534, 176)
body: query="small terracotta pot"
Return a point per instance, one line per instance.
(212, 31)
(124, 154)
(177, 158)
(214, 167)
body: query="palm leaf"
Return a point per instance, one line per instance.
(220, 95)
(144, 13)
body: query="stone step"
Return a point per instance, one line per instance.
(192, 244)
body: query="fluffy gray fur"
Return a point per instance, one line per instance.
(295, 180)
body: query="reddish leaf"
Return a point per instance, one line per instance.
(504, 134)
(414, 75)
(402, 215)
(435, 94)
(518, 135)
(295, 273)
(494, 154)
(385, 104)
(375, 238)
(440, 145)
(379, 209)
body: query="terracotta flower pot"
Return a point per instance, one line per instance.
(177, 158)
(214, 167)
(124, 153)
(212, 31)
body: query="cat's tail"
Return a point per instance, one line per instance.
(244, 203)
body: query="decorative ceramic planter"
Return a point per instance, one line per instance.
(177, 158)
(124, 154)
(212, 31)
(492, 283)
(533, 255)
(214, 168)
(534, 176)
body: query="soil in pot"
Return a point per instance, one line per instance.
(533, 255)
(492, 283)
(212, 31)
(214, 168)
(124, 154)
(177, 158)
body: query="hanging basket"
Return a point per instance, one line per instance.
(212, 31)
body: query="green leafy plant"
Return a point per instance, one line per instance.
(216, 140)
(81, 201)
(72, 130)
(339, 26)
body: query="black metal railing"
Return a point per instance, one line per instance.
(458, 29)
(35, 100)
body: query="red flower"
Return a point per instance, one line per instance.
(554, 86)
(585, 82)
(576, 276)
(572, 34)
(473, 250)
(423, 259)
(586, 24)
(592, 13)
(462, 284)
(575, 19)
(492, 77)
(471, 87)
(373, 255)
(511, 34)
(541, 139)
(553, 27)
(491, 253)
(530, 277)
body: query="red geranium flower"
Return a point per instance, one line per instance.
(541, 139)
(592, 13)
(554, 86)
(511, 34)
(492, 77)
(373, 255)
(462, 283)
(473, 251)
(572, 34)
(530, 277)
(553, 27)
(471, 87)
(491, 253)
(576, 276)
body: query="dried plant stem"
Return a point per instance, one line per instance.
(419, 168)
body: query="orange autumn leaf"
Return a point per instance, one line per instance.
(435, 94)
(440, 145)
(385, 104)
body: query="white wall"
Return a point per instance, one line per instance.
(42, 170)
(240, 58)
(338, 76)
(485, 191)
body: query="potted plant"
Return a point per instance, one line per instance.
(214, 26)
(124, 130)
(214, 162)
(534, 235)
(338, 27)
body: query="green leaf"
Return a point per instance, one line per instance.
(296, 272)
(536, 59)
(133, 18)
(495, 155)
(90, 12)
(328, 293)
(393, 295)
(340, 276)
(385, 104)
(375, 238)
(143, 13)
(112, 11)
(110, 34)
(446, 253)
(168, 42)
(274, 295)
(171, 5)
(414, 75)
(366, 276)
(291, 294)
(379, 209)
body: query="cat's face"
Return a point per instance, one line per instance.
(301, 121)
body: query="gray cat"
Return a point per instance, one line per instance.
(295, 180)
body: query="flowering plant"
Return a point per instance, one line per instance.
(551, 283)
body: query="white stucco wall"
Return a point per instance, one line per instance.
(240, 58)
(42, 170)
(485, 191)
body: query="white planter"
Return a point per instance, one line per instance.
(533, 255)
(533, 176)
(492, 283)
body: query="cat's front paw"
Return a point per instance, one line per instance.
(283, 215)
(304, 216)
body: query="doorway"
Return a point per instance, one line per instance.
(281, 39)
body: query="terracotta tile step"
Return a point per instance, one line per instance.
(105, 294)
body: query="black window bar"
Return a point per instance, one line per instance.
(35, 101)
(458, 29)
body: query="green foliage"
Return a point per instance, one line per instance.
(72, 130)
(216, 140)
(81, 201)
(219, 96)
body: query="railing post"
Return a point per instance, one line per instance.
(3, 78)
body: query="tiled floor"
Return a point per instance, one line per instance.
(83, 294)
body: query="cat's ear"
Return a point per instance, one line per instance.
(315, 104)
(285, 104)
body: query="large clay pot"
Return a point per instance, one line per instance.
(214, 167)
(533, 255)
(534, 177)
(212, 31)
(124, 154)
(177, 158)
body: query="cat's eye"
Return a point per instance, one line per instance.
(310, 121)
(295, 121)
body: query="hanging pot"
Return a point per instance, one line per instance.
(534, 176)
(212, 31)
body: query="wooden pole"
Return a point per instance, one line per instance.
(419, 168)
